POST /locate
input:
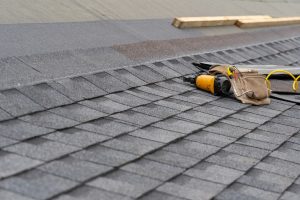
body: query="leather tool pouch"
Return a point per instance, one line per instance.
(248, 87)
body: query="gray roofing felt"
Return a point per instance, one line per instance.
(141, 133)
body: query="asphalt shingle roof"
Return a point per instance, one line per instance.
(141, 133)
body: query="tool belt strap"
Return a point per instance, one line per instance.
(248, 86)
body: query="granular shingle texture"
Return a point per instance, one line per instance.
(140, 132)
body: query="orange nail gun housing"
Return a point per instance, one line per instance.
(216, 85)
(206, 82)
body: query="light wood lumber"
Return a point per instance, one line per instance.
(194, 22)
(253, 23)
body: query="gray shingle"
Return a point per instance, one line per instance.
(155, 195)
(229, 104)
(227, 130)
(127, 77)
(103, 155)
(106, 82)
(225, 55)
(250, 117)
(125, 183)
(240, 123)
(214, 110)
(259, 51)
(146, 73)
(287, 154)
(127, 99)
(195, 97)
(157, 90)
(4, 194)
(276, 105)
(238, 54)
(15, 103)
(152, 169)
(133, 145)
(11, 164)
(45, 95)
(74, 169)
(164, 70)
(173, 159)
(144, 95)
(175, 85)
(135, 118)
(156, 134)
(187, 61)
(295, 187)
(291, 145)
(239, 191)
(257, 143)
(205, 137)
(107, 126)
(178, 125)
(77, 112)
(41, 149)
(37, 184)
(248, 151)
(267, 136)
(192, 149)
(77, 88)
(277, 46)
(4, 115)
(198, 117)
(248, 51)
(49, 120)
(278, 166)
(19, 130)
(260, 61)
(105, 105)
(267, 49)
(156, 110)
(289, 121)
(231, 160)
(178, 66)
(212, 57)
(262, 111)
(4, 141)
(191, 188)
(91, 193)
(278, 128)
(295, 139)
(214, 173)
(176, 104)
(265, 181)
(289, 196)
(76, 137)
(295, 113)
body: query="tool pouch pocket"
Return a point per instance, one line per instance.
(253, 85)
(248, 86)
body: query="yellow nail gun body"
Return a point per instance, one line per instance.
(215, 84)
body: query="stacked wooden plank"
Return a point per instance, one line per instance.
(194, 22)
(250, 21)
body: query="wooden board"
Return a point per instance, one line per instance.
(194, 22)
(253, 23)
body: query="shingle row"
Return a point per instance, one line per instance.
(139, 132)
